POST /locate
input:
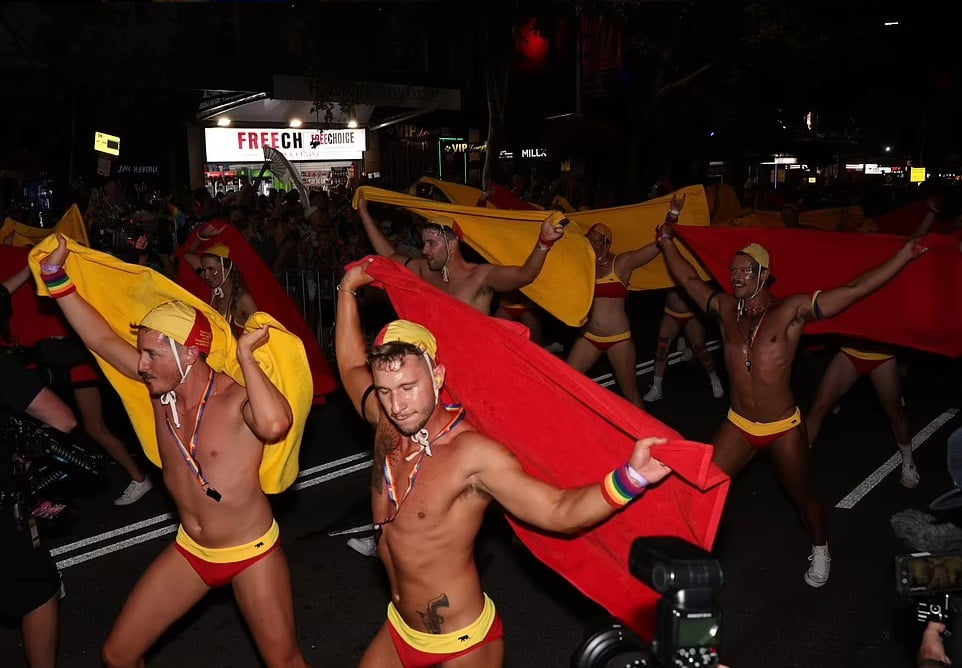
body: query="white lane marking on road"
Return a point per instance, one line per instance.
(334, 474)
(360, 529)
(100, 537)
(894, 461)
(334, 464)
(115, 547)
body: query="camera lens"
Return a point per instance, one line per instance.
(613, 647)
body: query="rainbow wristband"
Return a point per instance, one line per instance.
(59, 284)
(619, 487)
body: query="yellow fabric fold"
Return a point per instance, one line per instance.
(633, 226)
(456, 193)
(71, 225)
(124, 293)
(723, 204)
(565, 286)
(844, 219)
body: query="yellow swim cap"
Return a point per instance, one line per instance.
(406, 331)
(182, 323)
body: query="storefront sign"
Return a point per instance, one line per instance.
(534, 153)
(138, 170)
(106, 143)
(917, 175)
(247, 144)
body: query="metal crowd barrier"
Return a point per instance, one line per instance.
(314, 293)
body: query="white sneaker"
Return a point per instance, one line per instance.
(364, 546)
(817, 573)
(910, 476)
(133, 492)
(687, 355)
(717, 390)
(654, 394)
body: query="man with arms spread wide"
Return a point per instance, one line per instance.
(443, 266)
(211, 433)
(434, 476)
(761, 335)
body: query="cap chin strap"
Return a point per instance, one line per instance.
(421, 437)
(219, 290)
(758, 288)
(170, 398)
(445, 274)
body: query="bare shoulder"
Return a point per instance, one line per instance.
(794, 306)
(478, 451)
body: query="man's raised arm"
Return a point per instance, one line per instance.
(349, 346)
(830, 303)
(381, 245)
(506, 279)
(93, 330)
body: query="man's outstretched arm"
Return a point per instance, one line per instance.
(830, 303)
(93, 330)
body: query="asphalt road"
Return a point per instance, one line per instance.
(772, 619)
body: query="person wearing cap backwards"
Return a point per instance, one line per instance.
(760, 336)
(228, 534)
(443, 266)
(434, 476)
(229, 295)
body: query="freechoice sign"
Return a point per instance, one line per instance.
(247, 144)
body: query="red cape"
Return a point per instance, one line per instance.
(34, 318)
(503, 198)
(920, 308)
(568, 431)
(269, 296)
(907, 219)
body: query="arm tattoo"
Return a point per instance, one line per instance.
(385, 440)
(431, 619)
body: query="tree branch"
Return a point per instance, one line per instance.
(684, 81)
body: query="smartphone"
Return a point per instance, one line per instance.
(925, 573)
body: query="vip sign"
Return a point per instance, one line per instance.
(247, 144)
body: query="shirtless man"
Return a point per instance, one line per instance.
(760, 336)
(434, 476)
(227, 533)
(445, 268)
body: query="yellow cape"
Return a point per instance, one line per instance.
(71, 225)
(565, 286)
(456, 193)
(633, 226)
(723, 204)
(123, 294)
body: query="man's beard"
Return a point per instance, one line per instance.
(407, 432)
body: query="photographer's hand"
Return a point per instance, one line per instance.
(933, 648)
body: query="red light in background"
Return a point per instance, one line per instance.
(532, 46)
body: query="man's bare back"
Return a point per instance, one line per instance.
(229, 455)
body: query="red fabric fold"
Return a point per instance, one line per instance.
(905, 220)
(268, 294)
(566, 430)
(920, 308)
(503, 198)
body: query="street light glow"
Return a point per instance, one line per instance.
(295, 122)
(891, 23)
(352, 124)
(223, 122)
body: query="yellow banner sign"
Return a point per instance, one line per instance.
(917, 175)
(106, 143)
